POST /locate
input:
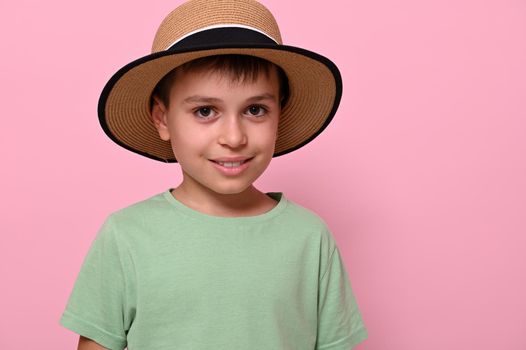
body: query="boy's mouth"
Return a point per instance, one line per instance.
(231, 162)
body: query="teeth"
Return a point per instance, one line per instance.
(230, 164)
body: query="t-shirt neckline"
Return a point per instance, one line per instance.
(195, 214)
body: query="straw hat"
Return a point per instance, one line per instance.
(200, 28)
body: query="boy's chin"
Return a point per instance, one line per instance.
(232, 190)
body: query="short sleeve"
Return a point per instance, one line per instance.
(101, 305)
(340, 325)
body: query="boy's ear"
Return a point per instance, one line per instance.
(160, 119)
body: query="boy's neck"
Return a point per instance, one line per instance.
(250, 202)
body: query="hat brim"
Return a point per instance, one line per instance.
(315, 89)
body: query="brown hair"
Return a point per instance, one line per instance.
(240, 68)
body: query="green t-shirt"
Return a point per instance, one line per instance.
(160, 275)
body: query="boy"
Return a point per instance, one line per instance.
(215, 263)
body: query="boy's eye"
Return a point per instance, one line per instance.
(256, 110)
(204, 112)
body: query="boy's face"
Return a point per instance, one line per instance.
(212, 120)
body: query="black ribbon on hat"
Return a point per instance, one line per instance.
(225, 36)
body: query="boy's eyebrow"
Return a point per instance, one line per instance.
(201, 99)
(205, 99)
(265, 96)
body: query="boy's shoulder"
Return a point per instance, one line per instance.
(308, 221)
(153, 203)
(304, 215)
(152, 207)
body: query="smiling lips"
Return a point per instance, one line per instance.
(231, 166)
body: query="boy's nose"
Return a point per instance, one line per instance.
(232, 133)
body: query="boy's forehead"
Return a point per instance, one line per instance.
(214, 86)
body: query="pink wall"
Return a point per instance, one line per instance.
(421, 176)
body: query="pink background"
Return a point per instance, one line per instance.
(421, 176)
